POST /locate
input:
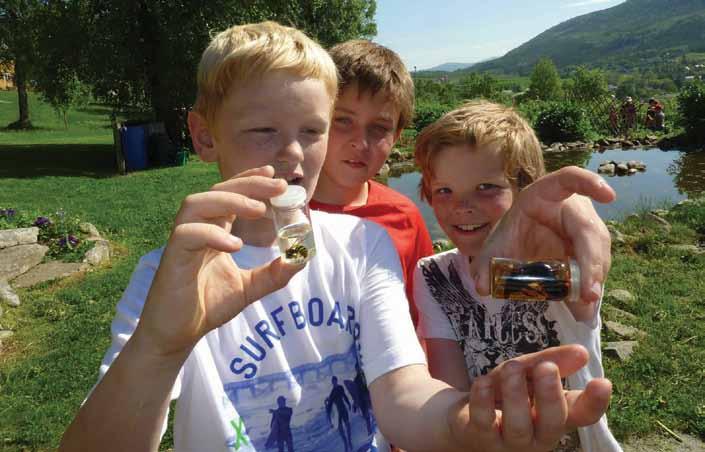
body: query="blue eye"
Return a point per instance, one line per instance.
(485, 187)
(442, 191)
(342, 121)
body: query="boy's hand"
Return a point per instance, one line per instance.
(508, 412)
(198, 287)
(546, 220)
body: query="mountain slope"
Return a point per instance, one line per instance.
(633, 33)
(449, 67)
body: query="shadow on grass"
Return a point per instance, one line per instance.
(38, 160)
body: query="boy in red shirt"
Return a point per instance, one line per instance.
(375, 103)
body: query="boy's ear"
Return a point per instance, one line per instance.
(202, 137)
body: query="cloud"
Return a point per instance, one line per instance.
(585, 3)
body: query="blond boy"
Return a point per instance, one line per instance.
(250, 345)
(475, 160)
(375, 103)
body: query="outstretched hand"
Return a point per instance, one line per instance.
(198, 287)
(549, 219)
(521, 404)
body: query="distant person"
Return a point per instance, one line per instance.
(280, 433)
(628, 115)
(655, 117)
(613, 116)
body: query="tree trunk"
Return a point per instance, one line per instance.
(21, 84)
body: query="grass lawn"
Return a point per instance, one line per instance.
(62, 329)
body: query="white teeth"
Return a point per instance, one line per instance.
(469, 227)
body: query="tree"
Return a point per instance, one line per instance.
(18, 40)
(545, 82)
(143, 55)
(586, 85)
(477, 85)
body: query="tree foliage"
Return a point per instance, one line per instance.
(691, 106)
(545, 82)
(586, 85)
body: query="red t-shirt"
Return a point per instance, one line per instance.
(401, 218)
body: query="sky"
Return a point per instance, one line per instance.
(426, 33)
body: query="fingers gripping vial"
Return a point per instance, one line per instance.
(548, 280)
(293, 224)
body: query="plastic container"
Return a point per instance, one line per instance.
(292, 221)
(546, 280)
(134, 147)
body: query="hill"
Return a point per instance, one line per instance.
(634, 34)
(449, 67)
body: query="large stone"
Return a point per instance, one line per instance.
(614, 313)
(617, 236)
(88, 228)
(621, 350)
(21, 236)
(47, 272)
(622, 168)
(99, 254)
(7, 295)
(607, 168)
(18, 259)
(624, 331)
(621, 295)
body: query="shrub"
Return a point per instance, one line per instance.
(562, 121)
(691, 105)
(426, 113)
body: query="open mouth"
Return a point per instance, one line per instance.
(470, 228)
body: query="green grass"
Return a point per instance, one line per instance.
(62, 328)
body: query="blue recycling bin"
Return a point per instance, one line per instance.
(134, 147)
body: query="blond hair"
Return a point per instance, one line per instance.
(246, 52)
(479, 124)
(374, 68)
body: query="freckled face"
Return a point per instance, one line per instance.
(469, 194)
(280, 120)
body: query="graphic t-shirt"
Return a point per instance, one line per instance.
(291, 371)
(490, 331)
(401, 218)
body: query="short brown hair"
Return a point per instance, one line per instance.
(246, 52)
(374, 68)
(477, 124)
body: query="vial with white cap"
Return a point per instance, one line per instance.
(293, 224)
(545, 280)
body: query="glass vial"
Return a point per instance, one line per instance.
(293, 224)
(547, 280)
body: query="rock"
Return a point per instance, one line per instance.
(627, 144)
(99, 254)
(6, 334)
(14, 237)
(621, 350)
(631, 164)
(652, 138)
(8, 295)
(18, 259)
(396, 156)
(603, 142)
(617, 237)
(622, 168)
(48, 271)
(617, 314)
(631, 171)
(621, 295)
(660, 212)
(608, 169)
(694, 249)
(88, 228)
(384, 171)
(658, 220)
(624, 331)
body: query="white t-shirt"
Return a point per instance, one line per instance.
(490, 331)
(286, 371)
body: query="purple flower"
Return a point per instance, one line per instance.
(9, 213)
(68, 241)
(42, 222)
